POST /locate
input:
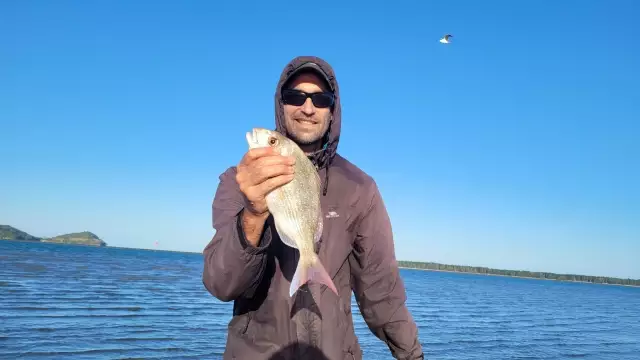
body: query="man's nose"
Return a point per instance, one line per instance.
(308, 108)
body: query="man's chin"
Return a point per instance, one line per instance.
(304, 138)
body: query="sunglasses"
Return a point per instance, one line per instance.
(297, 98)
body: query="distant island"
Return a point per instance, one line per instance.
(518, 273)
(80, 238)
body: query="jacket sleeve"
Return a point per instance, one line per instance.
(232, 267)
(376, 281)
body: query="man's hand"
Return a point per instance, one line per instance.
(259, 172)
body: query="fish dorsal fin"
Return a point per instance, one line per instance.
(316, 177)
(318, 234)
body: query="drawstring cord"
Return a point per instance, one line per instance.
(326, 181)
(326, 174)
(326, 170)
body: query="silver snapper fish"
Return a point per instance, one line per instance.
(296, 210)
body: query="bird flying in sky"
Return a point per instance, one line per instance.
(445, 39)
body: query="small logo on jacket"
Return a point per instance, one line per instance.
(332, 214)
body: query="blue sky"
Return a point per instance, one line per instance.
(516, 146)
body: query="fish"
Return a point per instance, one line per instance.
(296, 209)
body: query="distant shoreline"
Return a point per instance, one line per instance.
(101, 247)
(57, 243)
(519, 276)
(430, 266)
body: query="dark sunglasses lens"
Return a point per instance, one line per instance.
(297, 98)
(293, 98)
(322, 100)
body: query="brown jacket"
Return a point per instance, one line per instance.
(356, 249)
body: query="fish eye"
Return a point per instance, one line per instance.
(273, 141)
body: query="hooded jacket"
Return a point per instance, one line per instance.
(356, 249)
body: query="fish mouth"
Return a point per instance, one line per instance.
(252, 137)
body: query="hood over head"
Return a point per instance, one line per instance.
(323, 157)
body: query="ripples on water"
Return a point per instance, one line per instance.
(59, 301)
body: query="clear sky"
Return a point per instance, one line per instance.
(516, 146)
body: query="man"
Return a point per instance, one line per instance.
(247, 263)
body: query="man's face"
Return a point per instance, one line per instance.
(307, 123)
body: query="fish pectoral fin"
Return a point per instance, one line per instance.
(281, 230)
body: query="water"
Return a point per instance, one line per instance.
(58, 301)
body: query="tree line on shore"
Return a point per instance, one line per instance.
(519, 273)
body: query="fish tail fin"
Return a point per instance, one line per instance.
(314, 272)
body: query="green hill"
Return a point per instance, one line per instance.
(81, 238)
(10, 233)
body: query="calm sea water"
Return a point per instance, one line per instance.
(59, 301)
